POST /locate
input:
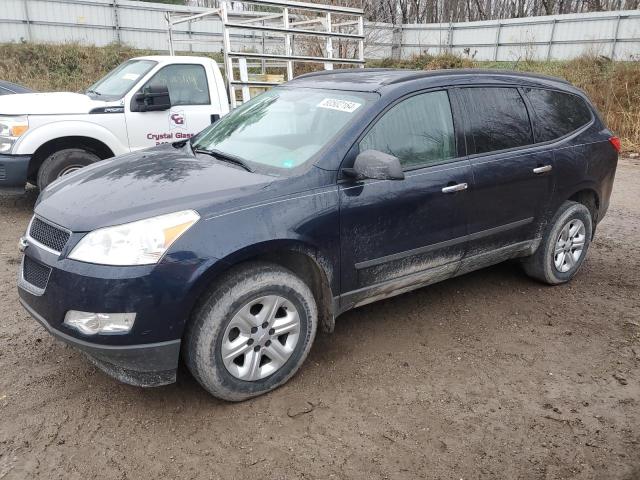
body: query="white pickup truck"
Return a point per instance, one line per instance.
(143, 102)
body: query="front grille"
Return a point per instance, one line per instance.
(48, 235)
(3, 172)
(35, 273)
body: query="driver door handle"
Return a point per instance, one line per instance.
(544, 169)
(455, 188)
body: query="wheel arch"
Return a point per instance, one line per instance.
(90, 144)
(302, 259)
(589, 198)
(585, 193)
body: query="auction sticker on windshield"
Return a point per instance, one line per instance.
(340, 105)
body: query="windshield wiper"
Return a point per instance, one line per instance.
(93, 91)
(226, 157)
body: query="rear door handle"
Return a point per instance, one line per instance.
(545, 169)
(455, 188)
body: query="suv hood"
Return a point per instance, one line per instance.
(56, 103)
(143, 184)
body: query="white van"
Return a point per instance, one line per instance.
(143, 102)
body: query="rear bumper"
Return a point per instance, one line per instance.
(145, 365)
(13, 173)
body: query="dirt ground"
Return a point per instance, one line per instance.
(486, 376)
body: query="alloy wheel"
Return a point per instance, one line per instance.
(569, 245)
(260, 338)
(69, 169)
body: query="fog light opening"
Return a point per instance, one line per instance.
(90, 323)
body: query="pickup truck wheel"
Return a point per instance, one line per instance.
(563, 247)
(63, 162)
(252, 332)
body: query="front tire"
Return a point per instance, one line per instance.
(252, 332)
(63, 162)
(563, 247)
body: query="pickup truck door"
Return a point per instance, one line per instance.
(191, 107)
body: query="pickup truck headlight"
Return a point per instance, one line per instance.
(138, 243)
(10, 130)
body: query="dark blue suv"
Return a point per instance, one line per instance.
(334, 190)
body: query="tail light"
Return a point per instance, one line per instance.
(615, 141)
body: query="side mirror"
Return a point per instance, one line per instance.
(376, 165)
(152, 99)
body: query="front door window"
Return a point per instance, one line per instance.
(419, 131)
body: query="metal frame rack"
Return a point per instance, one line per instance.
(283, 19)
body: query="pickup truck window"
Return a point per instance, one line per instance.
(119, 81)
(187, 84)
(284, 127)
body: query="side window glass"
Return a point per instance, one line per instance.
(497, 119)
(557, 113)
(187, 84)
(418, 130)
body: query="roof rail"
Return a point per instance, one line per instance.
(343, 70)
(473, 71)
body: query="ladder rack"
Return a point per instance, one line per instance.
(285, 21)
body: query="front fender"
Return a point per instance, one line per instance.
(306, 220)
(38, 136)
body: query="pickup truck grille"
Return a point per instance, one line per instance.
(35, 273)
(48, 235)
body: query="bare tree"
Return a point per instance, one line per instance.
(436, 11)
(441, 11)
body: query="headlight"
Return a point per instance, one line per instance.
(138, 243)
(10, 130)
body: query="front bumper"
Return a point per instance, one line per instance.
(146, 365)
(162, 296)
(13, 173)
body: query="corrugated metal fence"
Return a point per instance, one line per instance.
(142, 25)
(614, 34)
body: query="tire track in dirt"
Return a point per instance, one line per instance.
(486, 376)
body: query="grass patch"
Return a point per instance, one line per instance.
(69, 67)
(614, 87)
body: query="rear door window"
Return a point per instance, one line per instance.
(557, 113)
(497, 119)
(418, 130)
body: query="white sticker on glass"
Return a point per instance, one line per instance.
(130, 76)
(340, 105)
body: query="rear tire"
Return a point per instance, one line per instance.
(63, 162)
(563, 247)
(234, 333)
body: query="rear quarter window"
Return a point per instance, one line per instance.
(557, 113)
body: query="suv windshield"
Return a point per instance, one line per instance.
(283, 127)
(120, 80)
